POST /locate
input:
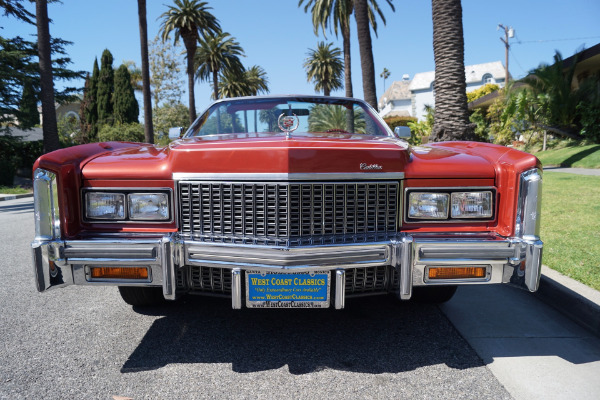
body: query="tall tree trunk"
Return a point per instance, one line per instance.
(216, 84)
(148, 128)
(347, 67)
(367, 64)
(49, 127)
(451, 120)
(348, 73)
(189, 40)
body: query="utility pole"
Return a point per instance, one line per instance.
(509, 32)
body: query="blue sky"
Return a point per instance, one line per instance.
(276, 35)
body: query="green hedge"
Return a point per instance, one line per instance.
(15, 154)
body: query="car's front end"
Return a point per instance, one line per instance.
(284, 219)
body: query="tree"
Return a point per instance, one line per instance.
(90, 111)
(384, 74)
(29, 115)
(218, 52)
(105, 88)
(50, 127)
(165, 74)
(367, 65)
(135, 73)
(126, 107)
(169, 116)
(257, 80)
(16, 9)
(324, 118)
(187, 19)
(337, 13)
(148, 129)
(324, 67)
(451, 121)
(19, 64)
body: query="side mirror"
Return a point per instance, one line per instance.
(175, 133)
(402, 132)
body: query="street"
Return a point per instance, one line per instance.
(85, 342)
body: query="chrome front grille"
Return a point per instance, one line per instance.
(371, 280)
(289, 213)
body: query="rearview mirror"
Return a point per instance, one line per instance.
(402, 132)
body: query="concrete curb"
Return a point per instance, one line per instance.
(4, 197)
(574, 299)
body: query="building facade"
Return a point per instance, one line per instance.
(409, 97)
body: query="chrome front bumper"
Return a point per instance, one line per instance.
(514, 261)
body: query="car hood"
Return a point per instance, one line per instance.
(302, 153)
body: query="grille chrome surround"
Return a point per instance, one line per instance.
(288, 213)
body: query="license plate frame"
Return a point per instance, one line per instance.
(275, 289)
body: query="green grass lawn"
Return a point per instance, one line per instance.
(13, 190)
(576, 156)
(571, 226)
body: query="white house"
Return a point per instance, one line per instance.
(409, 97)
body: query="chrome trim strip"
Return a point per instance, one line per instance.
(294, 176)
(236, 288)
(533, 265)
(527, 224)
(406, 268)
(340, 289)
(283, 258)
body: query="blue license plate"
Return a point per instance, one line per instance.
(287, 290)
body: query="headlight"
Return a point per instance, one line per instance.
(424, 205)
(102, 205)
(471, 205)
(148, 206)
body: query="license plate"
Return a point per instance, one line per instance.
(287, 289)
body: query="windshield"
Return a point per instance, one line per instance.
(262, 115)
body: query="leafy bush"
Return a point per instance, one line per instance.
(132, 132)
(589, 116)
(482, 91)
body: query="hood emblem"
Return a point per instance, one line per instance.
(288, 123)
(370, 167)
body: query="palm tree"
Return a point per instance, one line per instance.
(325, 118)
(148, 128)
(337, 13)
(188, 19)
(385, 74)
(451, 121)
(233, 84)
(218, 52)
(324, 67)
(257, 80)
(50, 127)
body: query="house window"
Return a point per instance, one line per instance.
(488, 78)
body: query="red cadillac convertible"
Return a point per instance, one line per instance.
(287, 202)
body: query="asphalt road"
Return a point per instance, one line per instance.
(86, 343)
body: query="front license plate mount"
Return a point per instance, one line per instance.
(287, 289)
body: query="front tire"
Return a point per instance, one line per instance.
(433, 294)
(142, 296)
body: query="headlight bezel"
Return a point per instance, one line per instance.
(126, 192)
(449, 191)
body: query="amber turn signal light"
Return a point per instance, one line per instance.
(457, 272)
(119, 272)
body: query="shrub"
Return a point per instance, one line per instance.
(132, 132)
(482, 91)
(393, 122)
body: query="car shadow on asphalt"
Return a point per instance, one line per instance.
(372, 335)
(19, 208)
